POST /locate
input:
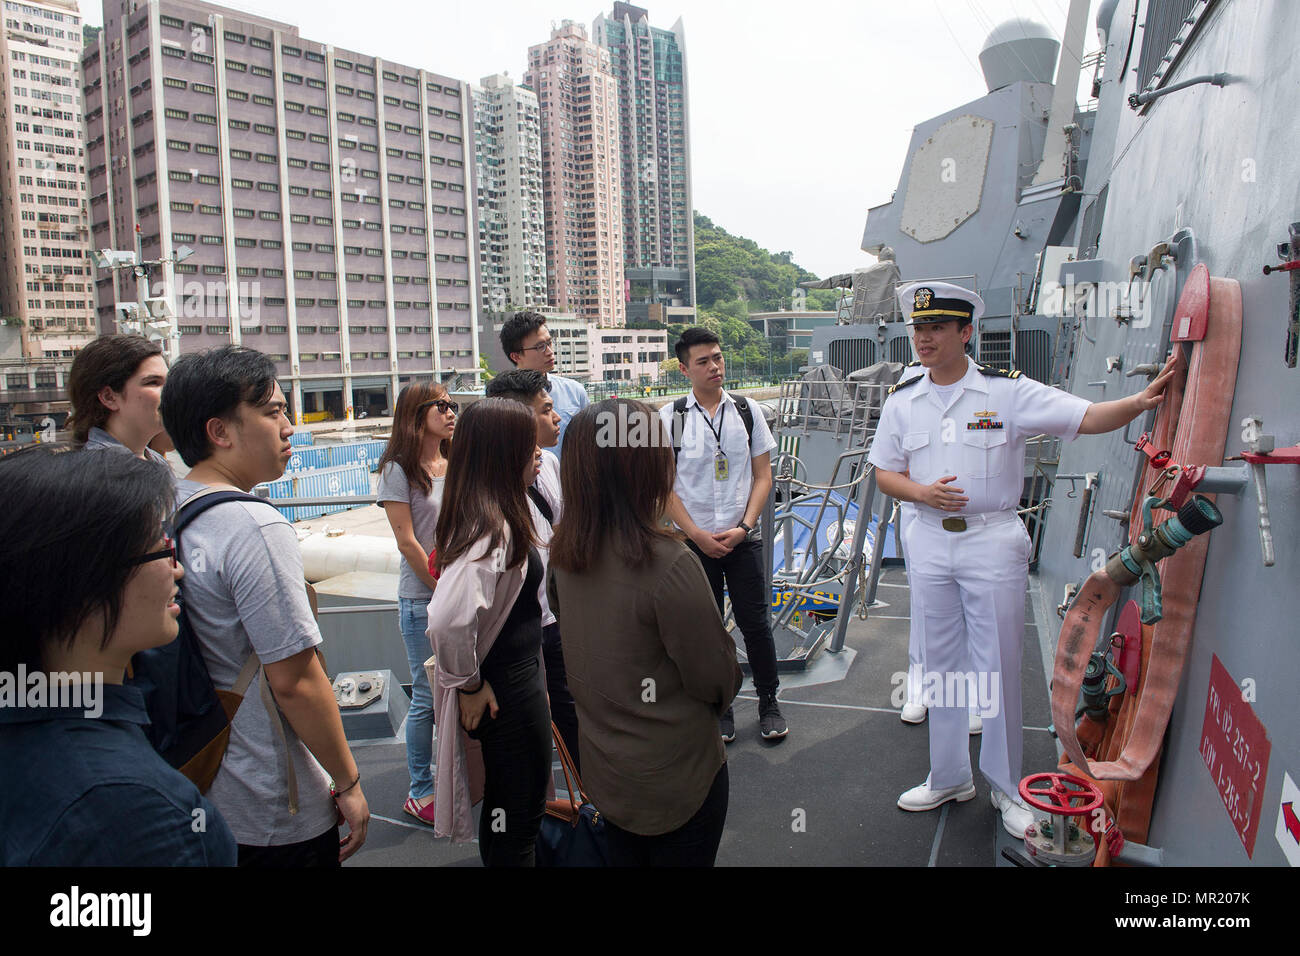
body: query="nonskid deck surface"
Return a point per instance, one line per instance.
(825, 796)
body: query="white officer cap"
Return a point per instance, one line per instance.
(925, 303)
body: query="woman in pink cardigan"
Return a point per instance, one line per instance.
(486, 629)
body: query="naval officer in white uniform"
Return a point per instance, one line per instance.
(958, 429)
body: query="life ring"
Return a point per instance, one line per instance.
(1192, 423)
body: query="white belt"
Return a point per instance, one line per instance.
(960, 522)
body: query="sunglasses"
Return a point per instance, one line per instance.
(441, 404)
(167, 552)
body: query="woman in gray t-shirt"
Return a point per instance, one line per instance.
(411, 474)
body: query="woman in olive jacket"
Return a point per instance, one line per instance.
(649, 663)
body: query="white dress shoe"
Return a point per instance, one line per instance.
(1015, 815)
(976, 725)
(913, 713)
(925, 797)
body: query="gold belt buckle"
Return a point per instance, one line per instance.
(954, 524)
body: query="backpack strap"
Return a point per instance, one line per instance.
(746, 416)
(679, 421)
(679, 425)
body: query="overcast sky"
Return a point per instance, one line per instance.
(801, 112)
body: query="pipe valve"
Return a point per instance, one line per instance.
(1137, 562)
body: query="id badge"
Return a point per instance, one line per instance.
(720, 467)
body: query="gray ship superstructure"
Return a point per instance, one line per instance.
(1081, 229)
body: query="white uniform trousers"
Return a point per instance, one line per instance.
(968, 591)
(915, 626)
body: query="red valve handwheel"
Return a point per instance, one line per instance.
(1063, 789)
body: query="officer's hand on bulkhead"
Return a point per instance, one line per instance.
(943, 497)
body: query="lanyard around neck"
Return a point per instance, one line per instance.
(717, 432)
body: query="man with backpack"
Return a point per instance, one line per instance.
(724, 476)
(245, 599)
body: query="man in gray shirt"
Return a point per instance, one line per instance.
(244, 594)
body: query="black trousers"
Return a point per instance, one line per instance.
(750, 602)
(318, 852)
(563, 709)
(516, 763)
(695, 843)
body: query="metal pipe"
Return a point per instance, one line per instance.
(1227, 480)
(1139, 854)
(1142, 99)
(866, 496)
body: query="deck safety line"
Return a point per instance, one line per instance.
(874, 710)
(938, 835)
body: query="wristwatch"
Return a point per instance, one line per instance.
(747, 529)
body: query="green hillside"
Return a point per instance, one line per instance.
(730, 268)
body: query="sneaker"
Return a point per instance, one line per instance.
(925, 797)
(913, 714)
(770, 722)
(727, 724)
(976, 725)
(1015, 815)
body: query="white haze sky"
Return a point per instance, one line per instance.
(801, 112)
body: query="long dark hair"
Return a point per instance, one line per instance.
(107, 361)
(403, 448)
(617, 475)
(71, 524)
(495, 439)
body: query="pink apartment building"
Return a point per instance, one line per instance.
(578, 96)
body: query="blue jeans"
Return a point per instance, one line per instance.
(413, 615)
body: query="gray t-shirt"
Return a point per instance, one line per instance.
(243, 592)
(393, 486)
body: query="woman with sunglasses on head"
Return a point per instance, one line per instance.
(412, 472)
(116, 385)
(84, 588)
(485, 623)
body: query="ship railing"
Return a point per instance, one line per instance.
(843, 408)
(825, 566)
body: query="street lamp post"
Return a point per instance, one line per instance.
(154, 317)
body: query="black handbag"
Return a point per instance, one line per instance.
(573, 831)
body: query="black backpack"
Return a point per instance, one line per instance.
(189, 719)
(679, 422)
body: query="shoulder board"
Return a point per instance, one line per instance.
(913, 364)
(997, 372)
(910, 381)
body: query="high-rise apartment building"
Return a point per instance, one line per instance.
(325, 191)
(654, 145)
(582, 181)
(511, 219)
(46, 293)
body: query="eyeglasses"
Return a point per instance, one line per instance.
(540, 347)
(442, 405)
(168, 552)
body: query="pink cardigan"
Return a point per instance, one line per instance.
(469, 606)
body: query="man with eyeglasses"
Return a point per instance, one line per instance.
(527, 343)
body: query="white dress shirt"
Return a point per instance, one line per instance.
(979, 435)
(712, 504)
